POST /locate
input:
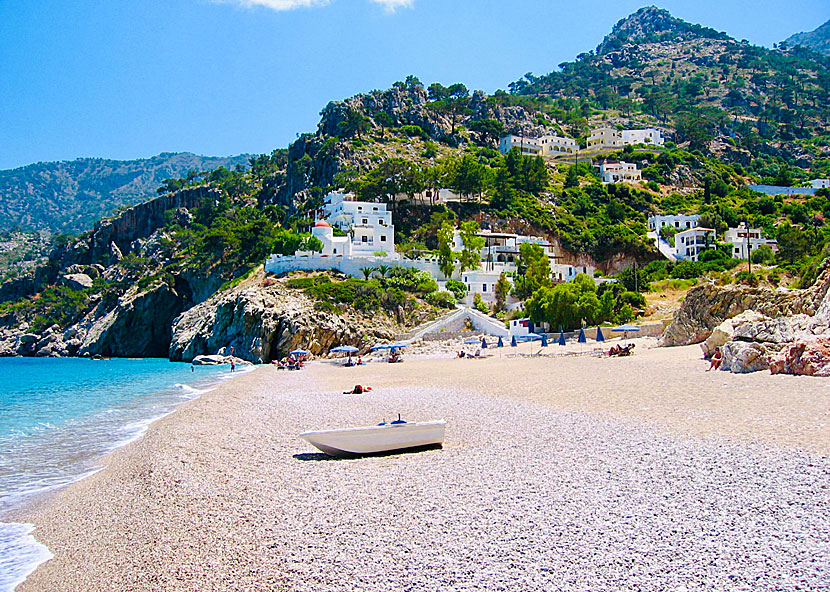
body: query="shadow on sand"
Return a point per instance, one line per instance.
(318, 456)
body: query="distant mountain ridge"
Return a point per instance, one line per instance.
(70, 196)
(818, 40)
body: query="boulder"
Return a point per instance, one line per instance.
(723, 332)
(27, 338)
(807, 358)
(740, 357)
(211, 360)
(77, 281)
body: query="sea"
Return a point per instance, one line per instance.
(60, 416)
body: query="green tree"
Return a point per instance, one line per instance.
(470, 256)
(446, 256)
(354, 124)
(533, 270)
(502, 291)
(452, 102)
(793, 243)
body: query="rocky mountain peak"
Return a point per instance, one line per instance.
(818, 40)
(650, 24)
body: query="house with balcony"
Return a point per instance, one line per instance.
(676, 221)
(619, 172)
(609, 137)
(688, 244)
(544, 146)
(745, 240)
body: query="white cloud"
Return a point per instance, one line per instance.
(389, 5)
(281, 4)
(393, 5)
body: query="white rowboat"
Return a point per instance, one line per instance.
(384, 437)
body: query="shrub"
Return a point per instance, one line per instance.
(441, 299)
(458, 289)
(479, 304)
(747, 278)
(763, 255)
(687, 270)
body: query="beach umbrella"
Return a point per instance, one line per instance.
(299, 352)
(544, 340)
(381, 346)
(627, 329)
(500, 343)
(471, 341)
(348, 349)
(582, 338)
(483, 343)
(399, 345)
(600, 336)
(513, 341)
(345, 348)
(562, 338)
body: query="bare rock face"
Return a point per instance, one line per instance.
(262, 323)
(724, 332)
(139, 326)
(740, 357)
(807, 358)
(77, 281)
(707, 306)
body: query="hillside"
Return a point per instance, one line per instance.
(70, 196)
(818, 40)
(735, 115)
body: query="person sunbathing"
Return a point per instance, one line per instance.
(358, 390)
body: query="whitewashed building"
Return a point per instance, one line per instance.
(688, 244)
(544, 146)
(820, 183)
(619, 172)
(608, 137)
(648, 136)
(605, 137)
(678, 221)
(745, 240)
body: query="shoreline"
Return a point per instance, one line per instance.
(23, 553)
(199, 480)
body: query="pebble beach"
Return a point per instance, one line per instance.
(558, 473)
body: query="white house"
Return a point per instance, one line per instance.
(527, 146)
(678, 221)
(608, 137)
(556, 145)
(744, 240)
(544, 146)
(617, 172)
(642, 136)
(820, 183)
(368, 224)
(689, 243)
(605, 137)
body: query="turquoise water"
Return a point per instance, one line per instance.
(58, 416)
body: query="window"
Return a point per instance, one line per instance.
(365, 220)
(375, 209)
(364, 239)
(335, 251)
(383, 238)
(483, 287)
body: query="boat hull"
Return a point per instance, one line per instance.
(375, 439)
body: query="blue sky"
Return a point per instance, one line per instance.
(119, 79)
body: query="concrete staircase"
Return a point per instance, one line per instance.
(453, 321)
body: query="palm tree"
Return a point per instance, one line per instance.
(367, 272)
(383, 270)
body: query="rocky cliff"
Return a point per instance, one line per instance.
(263, 321)
(707, 306)
(784, 331)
